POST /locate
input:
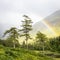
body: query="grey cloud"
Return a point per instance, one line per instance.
(42, 7)
(11, 5)
(11, 10)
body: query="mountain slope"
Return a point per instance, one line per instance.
(49, 26)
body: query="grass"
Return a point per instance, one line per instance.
(54, 55)
(57, 58)
(20, 54)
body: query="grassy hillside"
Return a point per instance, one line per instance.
(20, 54)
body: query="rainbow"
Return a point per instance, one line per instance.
(52, 32)
(50, 28)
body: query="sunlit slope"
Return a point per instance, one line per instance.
(54, 22)
(49, 26)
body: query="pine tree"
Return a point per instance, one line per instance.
(26, 28)
(41, 38)
(12, 34)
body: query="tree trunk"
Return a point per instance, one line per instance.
(43, 48)
(13, 44)
(26, 44)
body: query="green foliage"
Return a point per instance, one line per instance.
(41, 37)
(21, 54)
(1, 46)
(26, 28)
(9, 43)
(5, 57)
(55, 44)
(13, 32)
(40, 40)
(12, 35)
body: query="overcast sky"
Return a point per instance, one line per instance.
(11, 11)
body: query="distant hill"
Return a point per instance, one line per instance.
(49, 25)
(54, 19)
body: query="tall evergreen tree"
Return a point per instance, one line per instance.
(12, 34)
(41, 38)
(26, 28)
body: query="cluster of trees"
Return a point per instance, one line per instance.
(13, 33)
(41, 41)
(55, 44)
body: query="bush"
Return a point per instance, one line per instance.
(1, 46)
(21, 54)
(5, 57)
